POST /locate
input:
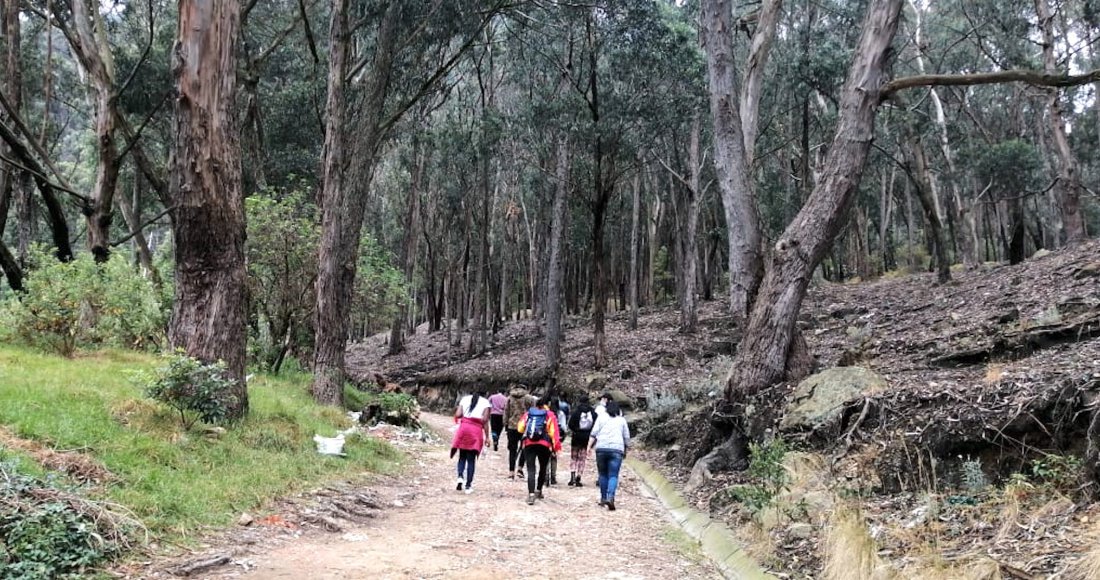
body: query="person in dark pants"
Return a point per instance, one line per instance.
(518, 403)
(496, 416)
(541, 438)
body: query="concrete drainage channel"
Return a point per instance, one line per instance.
(715, 538)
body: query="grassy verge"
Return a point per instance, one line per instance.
(177, 482)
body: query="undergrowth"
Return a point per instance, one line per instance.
(177, 481)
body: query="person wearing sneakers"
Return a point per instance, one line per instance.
(518, 402)
(472, 416)
(610, 438)
(541, 438)
(496, 416)
(580, 428)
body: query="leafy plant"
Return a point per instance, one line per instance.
(48, 532)
(75, 304)
(194, 389)
(766, 468)
(1062, 472)
(973, 478)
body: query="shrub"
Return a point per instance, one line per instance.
(394, 408)
(194, 389)
(766, 468)
(48, 532)
(83, 304)
(1061, 472)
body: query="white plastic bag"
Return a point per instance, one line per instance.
(330, 445)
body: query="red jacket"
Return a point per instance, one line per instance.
(551, 429)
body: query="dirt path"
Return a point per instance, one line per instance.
(491, 533)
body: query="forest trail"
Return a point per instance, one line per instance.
(492, 533)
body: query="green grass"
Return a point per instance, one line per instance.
(178, 482)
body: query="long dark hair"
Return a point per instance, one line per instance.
(613, 409)
(473, 401)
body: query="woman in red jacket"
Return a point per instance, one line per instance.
(541, 438)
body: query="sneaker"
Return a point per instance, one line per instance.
(611, 505)
(519, 473)
(530, 499)
(602, 503)
(461, 483)
(469, 489)
(538, 494)
(578, 484)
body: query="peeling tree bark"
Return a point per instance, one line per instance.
(209, 314)
(553, 302)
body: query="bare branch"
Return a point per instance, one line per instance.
(1035, 78)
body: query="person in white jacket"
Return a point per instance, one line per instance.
(610, 439)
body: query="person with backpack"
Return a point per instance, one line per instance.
(518, 403)
(472, 416)
(580, 426)
(541, 439)
(610, 438)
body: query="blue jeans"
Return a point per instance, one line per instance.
(467, 462)
(608, 462)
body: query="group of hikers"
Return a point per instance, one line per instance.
(535, 428)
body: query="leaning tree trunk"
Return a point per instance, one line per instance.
(771, 344)
(553, 300)
(209, 314)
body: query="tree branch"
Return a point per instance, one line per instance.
(141, 227)
(1030, 77)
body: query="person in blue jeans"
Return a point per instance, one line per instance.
(610, 439)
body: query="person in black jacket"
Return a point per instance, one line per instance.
(580, 425)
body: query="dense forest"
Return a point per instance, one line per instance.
(265, 182)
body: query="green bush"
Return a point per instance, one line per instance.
(766, 468)
(77, 304)
(46, 532)
(194, 389)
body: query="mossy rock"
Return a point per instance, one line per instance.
(819, 401)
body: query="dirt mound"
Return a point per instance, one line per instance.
(78, 466)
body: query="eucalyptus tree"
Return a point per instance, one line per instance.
(400, 52)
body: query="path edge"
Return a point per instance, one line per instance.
(715, 538)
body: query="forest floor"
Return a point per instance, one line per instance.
(968, 454)
(424, 528)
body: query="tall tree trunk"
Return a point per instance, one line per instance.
(209, 312)
(635, 214)
(408, 250)
(1069, 184)
(653, 225)
(922, 182)
(344, 197)
(689, 268)
(88, 39)
(553, 302)
(133, 222)
(731, 159)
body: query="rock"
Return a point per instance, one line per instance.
(820, 399)
(1041, 253)
(626, 374)
(802, 531)
(595, 381)
(245, 520)
(1087, 271)
(624, 400)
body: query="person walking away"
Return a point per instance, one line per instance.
(601, 405)
(472, 416)
(517, 405)
(541, 439)
(555, 409)
(580, 428)
(610, 438)
(496, 416)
